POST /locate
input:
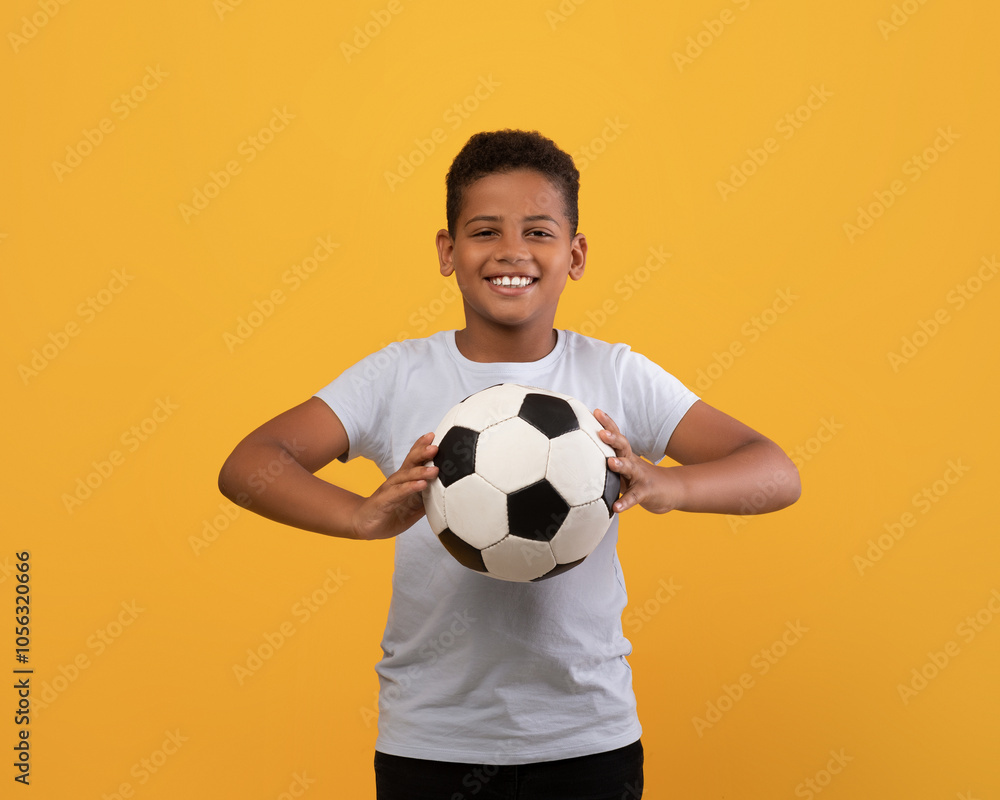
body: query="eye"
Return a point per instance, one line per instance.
(539, 233)
(483, 233)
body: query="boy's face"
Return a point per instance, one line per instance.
(512, 251)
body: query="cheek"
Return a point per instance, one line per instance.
(557, 280)
(466, 281)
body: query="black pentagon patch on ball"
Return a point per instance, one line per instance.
(612, 485)
(553, 416)
(536, 512)
(464, 553)
(456, 455)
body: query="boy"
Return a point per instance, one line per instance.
(532, 697)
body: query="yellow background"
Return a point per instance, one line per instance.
(150, 585)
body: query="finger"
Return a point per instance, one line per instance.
(626, 501)
(618, 465)
(606, 420)
(611, 434)
(421, 452)
(407, 500)
(416, 474)
(618, 443)
(422, 443)
(388, 519)
(630, 472)
(628, 469)
(403, 501)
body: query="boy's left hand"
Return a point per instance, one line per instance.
(643, 484)
(723, 467)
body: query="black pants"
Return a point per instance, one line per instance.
(614, 775)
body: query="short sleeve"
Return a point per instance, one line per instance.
(654, 402)
(360, 397)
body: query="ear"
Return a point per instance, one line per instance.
(578, 256)
(446, 248)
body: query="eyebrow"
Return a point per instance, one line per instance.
(495, 218)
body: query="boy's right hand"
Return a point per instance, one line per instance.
(272, 473)
(398, 503)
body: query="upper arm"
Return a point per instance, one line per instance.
(311, 432)
(707, 434)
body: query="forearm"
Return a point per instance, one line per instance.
(266, 479)
(754, 479)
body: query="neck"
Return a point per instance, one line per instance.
(501, 344)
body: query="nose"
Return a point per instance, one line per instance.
(511, 248)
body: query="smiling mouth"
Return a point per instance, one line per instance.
(514, 281)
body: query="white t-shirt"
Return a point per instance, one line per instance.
(476, 669)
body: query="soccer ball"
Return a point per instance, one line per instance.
(523, 490)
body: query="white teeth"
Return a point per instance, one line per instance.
(516, 281)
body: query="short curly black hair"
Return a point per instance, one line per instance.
(490, 152)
